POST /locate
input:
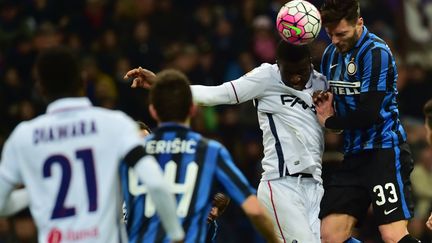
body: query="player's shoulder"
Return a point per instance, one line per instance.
(111, 116)
(26, 127)
(373, 44)
(319, 81)
(265, 70)
(329, 49)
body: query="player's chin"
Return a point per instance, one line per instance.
(209, 220)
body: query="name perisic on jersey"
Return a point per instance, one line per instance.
(64, 131)
(344, 87)
(175, 146)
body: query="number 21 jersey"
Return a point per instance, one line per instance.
(68, 159)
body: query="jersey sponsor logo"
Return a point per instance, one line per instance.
(185, 189)
(344, 87)
(293, 100)
(390, 211)
(175, 146)
(56, 236)
(65, 131)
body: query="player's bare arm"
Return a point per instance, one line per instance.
(324, 108)
(142, 78)
(259, 218)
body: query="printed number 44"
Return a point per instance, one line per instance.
(84, 155)
(185, 189)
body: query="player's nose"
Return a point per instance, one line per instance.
(335, 40)
(295, 78)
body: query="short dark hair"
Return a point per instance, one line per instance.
(58, 72)
(292, 53)
(333, 11)
(427, 110)
(171, 96)
(143, 126)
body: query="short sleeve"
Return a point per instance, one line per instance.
(10, 159)
(251, 85)
(128, 137)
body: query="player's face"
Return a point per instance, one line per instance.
(345, 35)
(295, 75)
(144, 133)
(219, 204)
(214, 214)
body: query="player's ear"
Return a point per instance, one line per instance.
(192, 110)
(360, 22)
(153, 112)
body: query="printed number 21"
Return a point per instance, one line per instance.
(86, 156)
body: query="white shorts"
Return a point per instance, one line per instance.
(293, 203)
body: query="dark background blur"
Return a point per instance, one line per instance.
(212, 42)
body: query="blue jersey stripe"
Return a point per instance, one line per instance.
(278, 146)
(400, 182)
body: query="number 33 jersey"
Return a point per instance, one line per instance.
(192, 166)
(68, 159)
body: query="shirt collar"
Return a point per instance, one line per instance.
(66, 104)
(362, 37)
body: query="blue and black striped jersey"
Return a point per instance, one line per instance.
(368, 67)
(193, 166)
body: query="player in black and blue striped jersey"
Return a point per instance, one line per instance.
(427, 110)
(362, 76)
(193, 166)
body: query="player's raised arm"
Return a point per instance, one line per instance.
(150, 173)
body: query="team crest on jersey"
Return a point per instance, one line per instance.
(351, 68)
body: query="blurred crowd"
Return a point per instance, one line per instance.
(212, 41)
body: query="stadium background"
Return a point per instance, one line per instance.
(212, 42)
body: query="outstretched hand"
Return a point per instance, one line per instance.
(142, 78)
(324, 106)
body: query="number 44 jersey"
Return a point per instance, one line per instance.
(68, 160)
(192, 165)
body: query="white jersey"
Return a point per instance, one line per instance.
(69, 162)
(292, 137)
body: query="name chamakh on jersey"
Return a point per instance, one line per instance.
(292, 137)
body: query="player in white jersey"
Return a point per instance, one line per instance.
(291, 184)
(68, 159)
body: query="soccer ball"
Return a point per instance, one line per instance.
(298, 22)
